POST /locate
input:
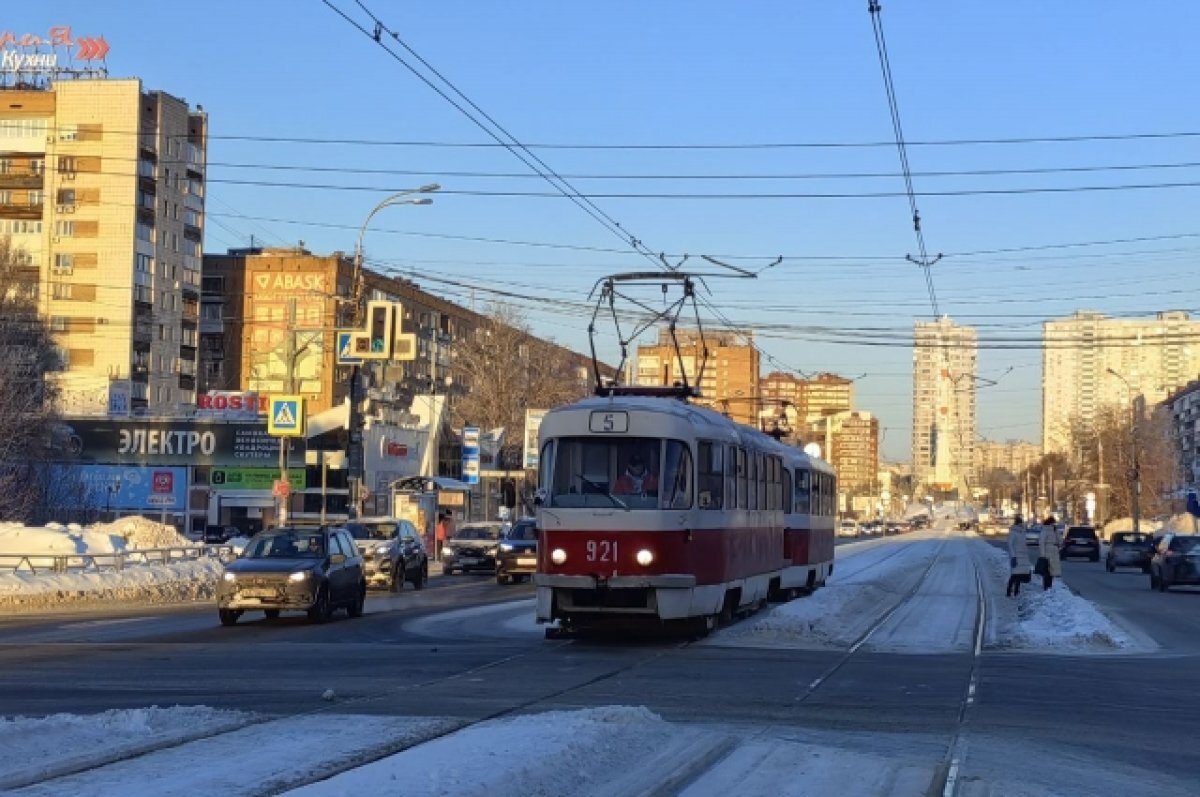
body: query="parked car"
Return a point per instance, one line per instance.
(892, 527)
(473, 548)
(216, 535)
(847, 528)
(517, 558)
(1175, 561)
(1033, 533)
(1080, 541)
(312, 570)
(392, 552)
(1129, 549)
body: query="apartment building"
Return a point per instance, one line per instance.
(1014, 456)
(824, 394)
(730, 382)
(945, 366)
(849, 440)
(1184, 405)
(102, 187)
(1090, 361)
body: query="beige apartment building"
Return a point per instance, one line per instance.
(849, 440)
(1150, 357)
(945, 365)
(102, 185)
(730, 382)
(1014, 456)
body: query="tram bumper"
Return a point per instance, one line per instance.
(666, 596)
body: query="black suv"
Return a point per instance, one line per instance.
(517, 558)
(313, 570)
(1080, 541)
(1129, 549)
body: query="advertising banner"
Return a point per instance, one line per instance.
(223, 479)
(533, 423)
(163, 442)
(470, 454)
(117, 487)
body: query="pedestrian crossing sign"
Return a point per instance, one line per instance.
(285, 417)
(345, 348)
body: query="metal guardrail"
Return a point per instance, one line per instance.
(100, 562)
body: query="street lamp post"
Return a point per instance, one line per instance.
(357, 463)
(1135, 473)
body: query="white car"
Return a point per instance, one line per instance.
(847, 528)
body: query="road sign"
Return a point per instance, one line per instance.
(470, 454)
(285, 416)
(345, 348)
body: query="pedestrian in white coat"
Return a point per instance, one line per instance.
(1049, 543)
(1018, 558)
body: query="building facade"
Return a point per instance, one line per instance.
(1090, 361)
(849, 440)
(102, 186)
(1014, 456)
(824, 394)
(730, 381)
(1184, 406)
(945, 367)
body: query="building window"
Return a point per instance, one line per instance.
(68, 132)
(64, 264)
(37, 166)
(5, 196)
(64, 228)
(36, 198)
(61, 290)
(59, 323)
(66, 166)
(66, 198)
(145, 233)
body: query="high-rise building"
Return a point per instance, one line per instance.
(102, 184)
(729, 383)
(944, 382)
(1151, 357)
(850, 441)
(824, 394)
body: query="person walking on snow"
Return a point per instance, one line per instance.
(1018, 557)
(1048, 545)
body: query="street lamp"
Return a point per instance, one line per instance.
(399, 198)
(1135, 474)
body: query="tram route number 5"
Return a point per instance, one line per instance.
(602, 550)
(609, 422)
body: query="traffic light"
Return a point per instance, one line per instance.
(375, 342)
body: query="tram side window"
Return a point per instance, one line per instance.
(832, 494)
(776, 486)
(803, 491)
(710, 472)
(751, 480)
(676, 489)
(786, 485)
(544, 472)
(763, 477)
(741, 479)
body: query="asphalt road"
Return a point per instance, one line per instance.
(466, 647)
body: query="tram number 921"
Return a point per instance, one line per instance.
(602, 550)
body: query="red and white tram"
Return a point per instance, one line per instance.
(654, 510)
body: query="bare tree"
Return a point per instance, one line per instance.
(506, 370)
(27, 354)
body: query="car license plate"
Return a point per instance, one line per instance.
(526, 561)
(470, 560)
(258, 593)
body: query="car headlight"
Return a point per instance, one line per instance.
(645, 557)
(504, 546)
(383, 550)
(300, 576)
(447, 551)
(229, 577)
(493, 551)
(558, 556)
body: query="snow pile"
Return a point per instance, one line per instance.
(558, 752)
(36, 748)
(192, 580)
(1054, 620)
(140, 532)
(1126, 524)
(57, 539)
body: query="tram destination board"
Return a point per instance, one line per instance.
(609, 422)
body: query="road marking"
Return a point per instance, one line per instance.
(98, 623)
(951, 779)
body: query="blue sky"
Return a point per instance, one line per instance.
(674, 72)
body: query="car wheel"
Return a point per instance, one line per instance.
(228, 616)
(502, 579)
(396, 582)
(272, 614)
(355, 609)
(422, 576)
(320, 610)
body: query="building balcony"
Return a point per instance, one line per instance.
(187, 382)
(23, 180)
(13, 211)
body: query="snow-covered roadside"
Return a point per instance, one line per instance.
(36, 748)
(1048, 621)
(138, 583)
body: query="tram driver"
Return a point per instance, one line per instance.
(637, 478)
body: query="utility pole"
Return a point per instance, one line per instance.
(290, 360)
(1135, 499)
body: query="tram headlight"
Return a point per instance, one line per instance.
(558, 556)
(645, 557)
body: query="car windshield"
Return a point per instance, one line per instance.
(478, 533)
(286, 544)
(626, 472)
(523, 531)
(1186, 544)
(1082, 532)
(374, 531)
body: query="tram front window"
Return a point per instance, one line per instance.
(605, 472)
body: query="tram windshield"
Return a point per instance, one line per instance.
(627, 473)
